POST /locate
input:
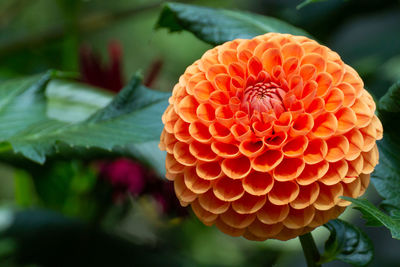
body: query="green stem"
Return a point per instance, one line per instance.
(310, 250)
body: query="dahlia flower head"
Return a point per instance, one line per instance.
(264, 135)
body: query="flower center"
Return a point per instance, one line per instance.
(264, 97)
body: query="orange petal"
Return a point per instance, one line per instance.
(181, 130)
(258, 183)
(182, 154)
(225, 150)
(314, 59)
(363, 113)
(283, 192)
(325, 126)
(202, 151)
(205, 216)
(267, 160)
(194, 182)
(211, 203)
(289, 169)
(229, 230)
(251, 148)
(302, 125)
(338, 147)
(328, 196)
(187, 108)
(227, 189)
(236, 168)
(236, 220)
(248, 204)
(295, 147)
(271, 214)
(209, 170)
(307, 196)
(312, 172)
(316, 151)
(271, 58)
(200, 132)
(263, 230)
(182, 192)
(298, 218)
(356, 144)
(172, 165)
(334, 100)
(337, 171)
(220, 132)
(350, 190)
(370, 160)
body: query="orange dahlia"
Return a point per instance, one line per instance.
(264, 135)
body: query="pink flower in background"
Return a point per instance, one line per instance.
(125, 175)
(94, 72)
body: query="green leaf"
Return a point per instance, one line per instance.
(347, 243)
(217, 26)
(74, 102)
(371, 212)
(307, 2)
(133, 116)
(386, 177)
(22, 103)
(25, 193)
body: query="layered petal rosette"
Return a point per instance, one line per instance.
(264, 135)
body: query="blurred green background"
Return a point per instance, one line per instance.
(66, 214)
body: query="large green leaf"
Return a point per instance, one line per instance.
(386, 177)
(22, 103)
(74, 102)
(347, 243)
(216, 26)
(32, 128)
(376, 217)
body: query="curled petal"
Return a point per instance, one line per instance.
(267, 161)
(325, 126)
(316, 151)
(211, 203)
(209, 170)
(202, 151)
(298, 218)
(258, 183)
(225, 150)
(229, 230)
(336, 172)
(182, 191)
(183, 155)
(295, 147)
(237, 220)
(193, 182)
(312, 172)
(338, 147)
(270, 213)
(307, 196)
(205, 216)
(264, 231)
(370, 159)
(289, 169)
(251, 148)
(249, 204)
(236, 168)
(283, 192)
(328, 196)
